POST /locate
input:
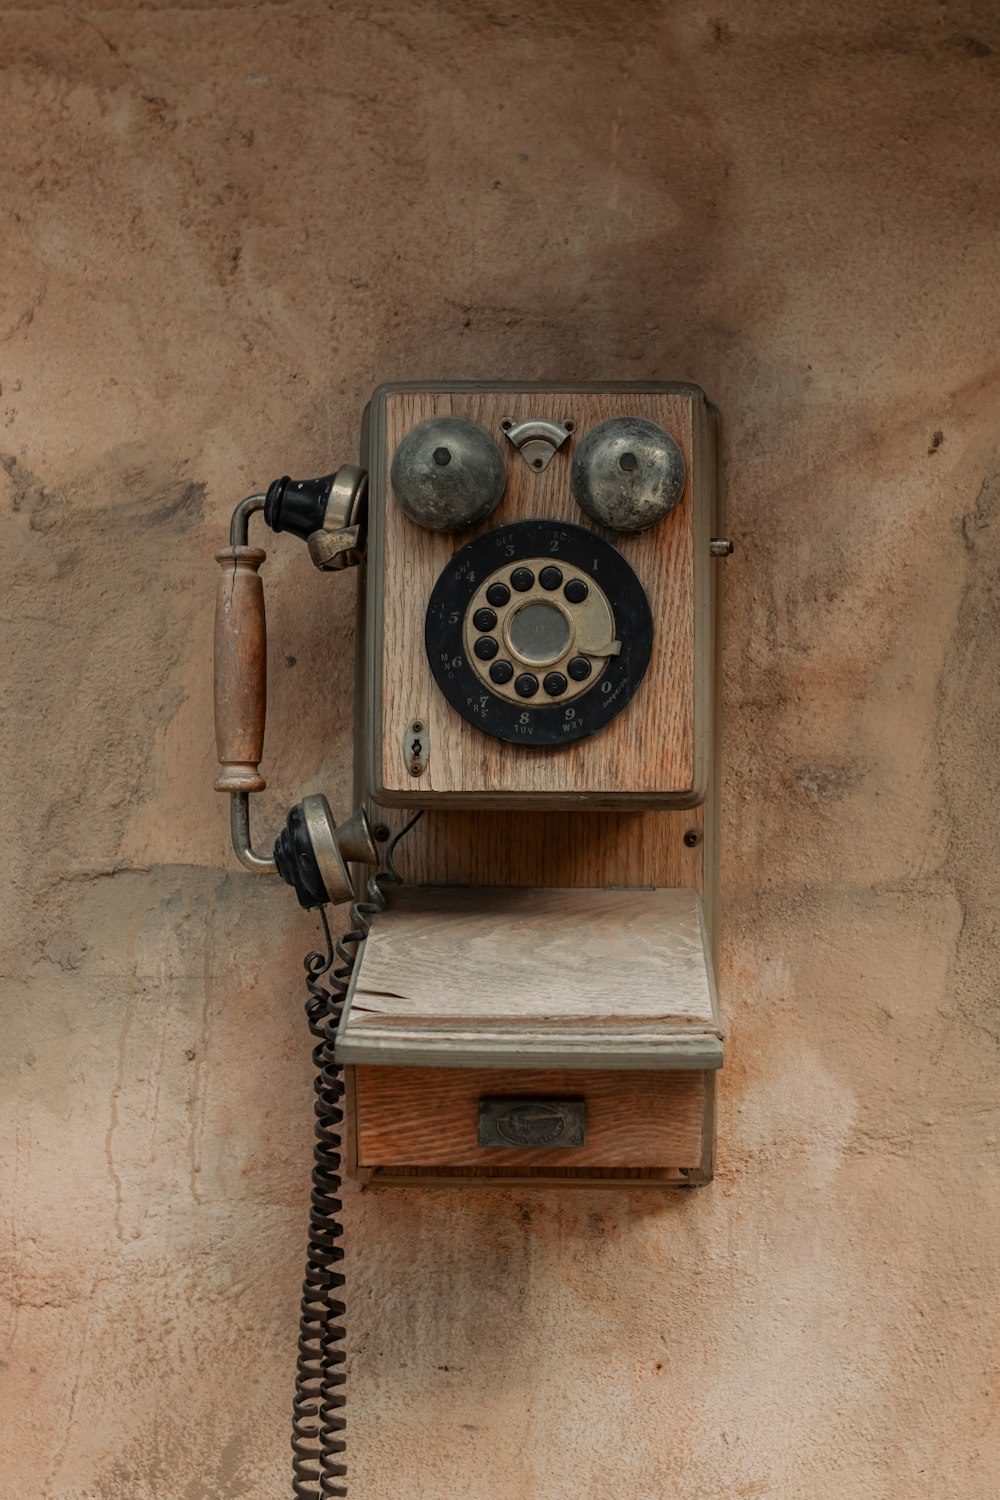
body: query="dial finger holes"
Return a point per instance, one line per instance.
(532, 619)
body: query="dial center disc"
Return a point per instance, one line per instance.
(538, 632)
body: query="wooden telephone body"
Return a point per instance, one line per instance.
(602, 829)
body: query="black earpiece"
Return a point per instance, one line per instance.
(311, 853)
(295, 859)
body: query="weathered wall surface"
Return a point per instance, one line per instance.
(223, 225)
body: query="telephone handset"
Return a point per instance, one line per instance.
(311, 853)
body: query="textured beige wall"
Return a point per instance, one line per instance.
(223, 225)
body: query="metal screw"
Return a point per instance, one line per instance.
(441, 457)
(506, 424)
(692, 838)
(628, 462)
(719, 547)
(380, 833)
(569, 424)
(418, 726)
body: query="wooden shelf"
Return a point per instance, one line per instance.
(515, 977)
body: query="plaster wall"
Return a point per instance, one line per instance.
(223, 225)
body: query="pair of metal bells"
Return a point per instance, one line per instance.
(627, 474)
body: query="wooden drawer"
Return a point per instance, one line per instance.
(419, 1122)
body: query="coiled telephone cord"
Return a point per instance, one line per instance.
(318, 1423)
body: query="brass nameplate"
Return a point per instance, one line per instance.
(531, 1122)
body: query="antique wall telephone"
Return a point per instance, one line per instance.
(535, 693)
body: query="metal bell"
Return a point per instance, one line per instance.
(627, 474)
(447, 473)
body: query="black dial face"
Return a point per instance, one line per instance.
(538, 633)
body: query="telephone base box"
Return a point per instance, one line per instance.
(523, 1034)
(555, 752)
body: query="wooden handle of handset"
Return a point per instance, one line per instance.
(240, 670)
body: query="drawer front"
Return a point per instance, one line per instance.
(429, 1117)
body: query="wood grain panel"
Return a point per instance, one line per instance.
(488, 954)
(516, 847)
(535, 978)
(650, 748)
(428, 1117)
